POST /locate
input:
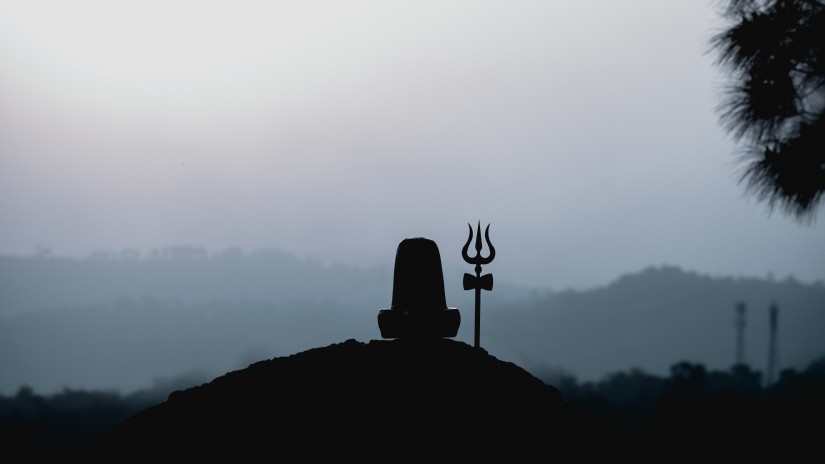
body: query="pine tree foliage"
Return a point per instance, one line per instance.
(774, 105)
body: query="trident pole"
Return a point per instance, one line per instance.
(477, 331)
(478, 282)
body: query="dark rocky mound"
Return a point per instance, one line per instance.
(395, 399)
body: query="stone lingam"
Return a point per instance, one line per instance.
(419, 305)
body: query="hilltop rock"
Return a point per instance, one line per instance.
(382, 399)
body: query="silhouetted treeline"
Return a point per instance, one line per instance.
(693, 406)
(31, 422)
(35, 424)
(700, 409)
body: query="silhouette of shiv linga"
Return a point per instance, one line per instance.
(419, 306)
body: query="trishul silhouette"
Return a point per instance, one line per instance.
(478, 282)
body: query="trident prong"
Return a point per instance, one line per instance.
(478, 282)
(478, 260)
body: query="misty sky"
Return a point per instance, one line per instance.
(584, 132)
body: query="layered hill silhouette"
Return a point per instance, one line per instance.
(385, 398)
(84, 323)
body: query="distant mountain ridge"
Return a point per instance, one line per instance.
(662, 314)
(185, 274)
(190, 275)
(125, 321)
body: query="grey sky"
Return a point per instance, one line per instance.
(584, 132)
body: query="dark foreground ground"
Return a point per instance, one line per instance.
(435, 399)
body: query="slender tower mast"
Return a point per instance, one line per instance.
(773, 349)
(740, 333)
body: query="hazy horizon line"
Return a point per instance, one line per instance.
(136, 254)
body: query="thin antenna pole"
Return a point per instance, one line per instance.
(740, 333)
(772, 347)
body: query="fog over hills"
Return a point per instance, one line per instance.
(121, 321)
